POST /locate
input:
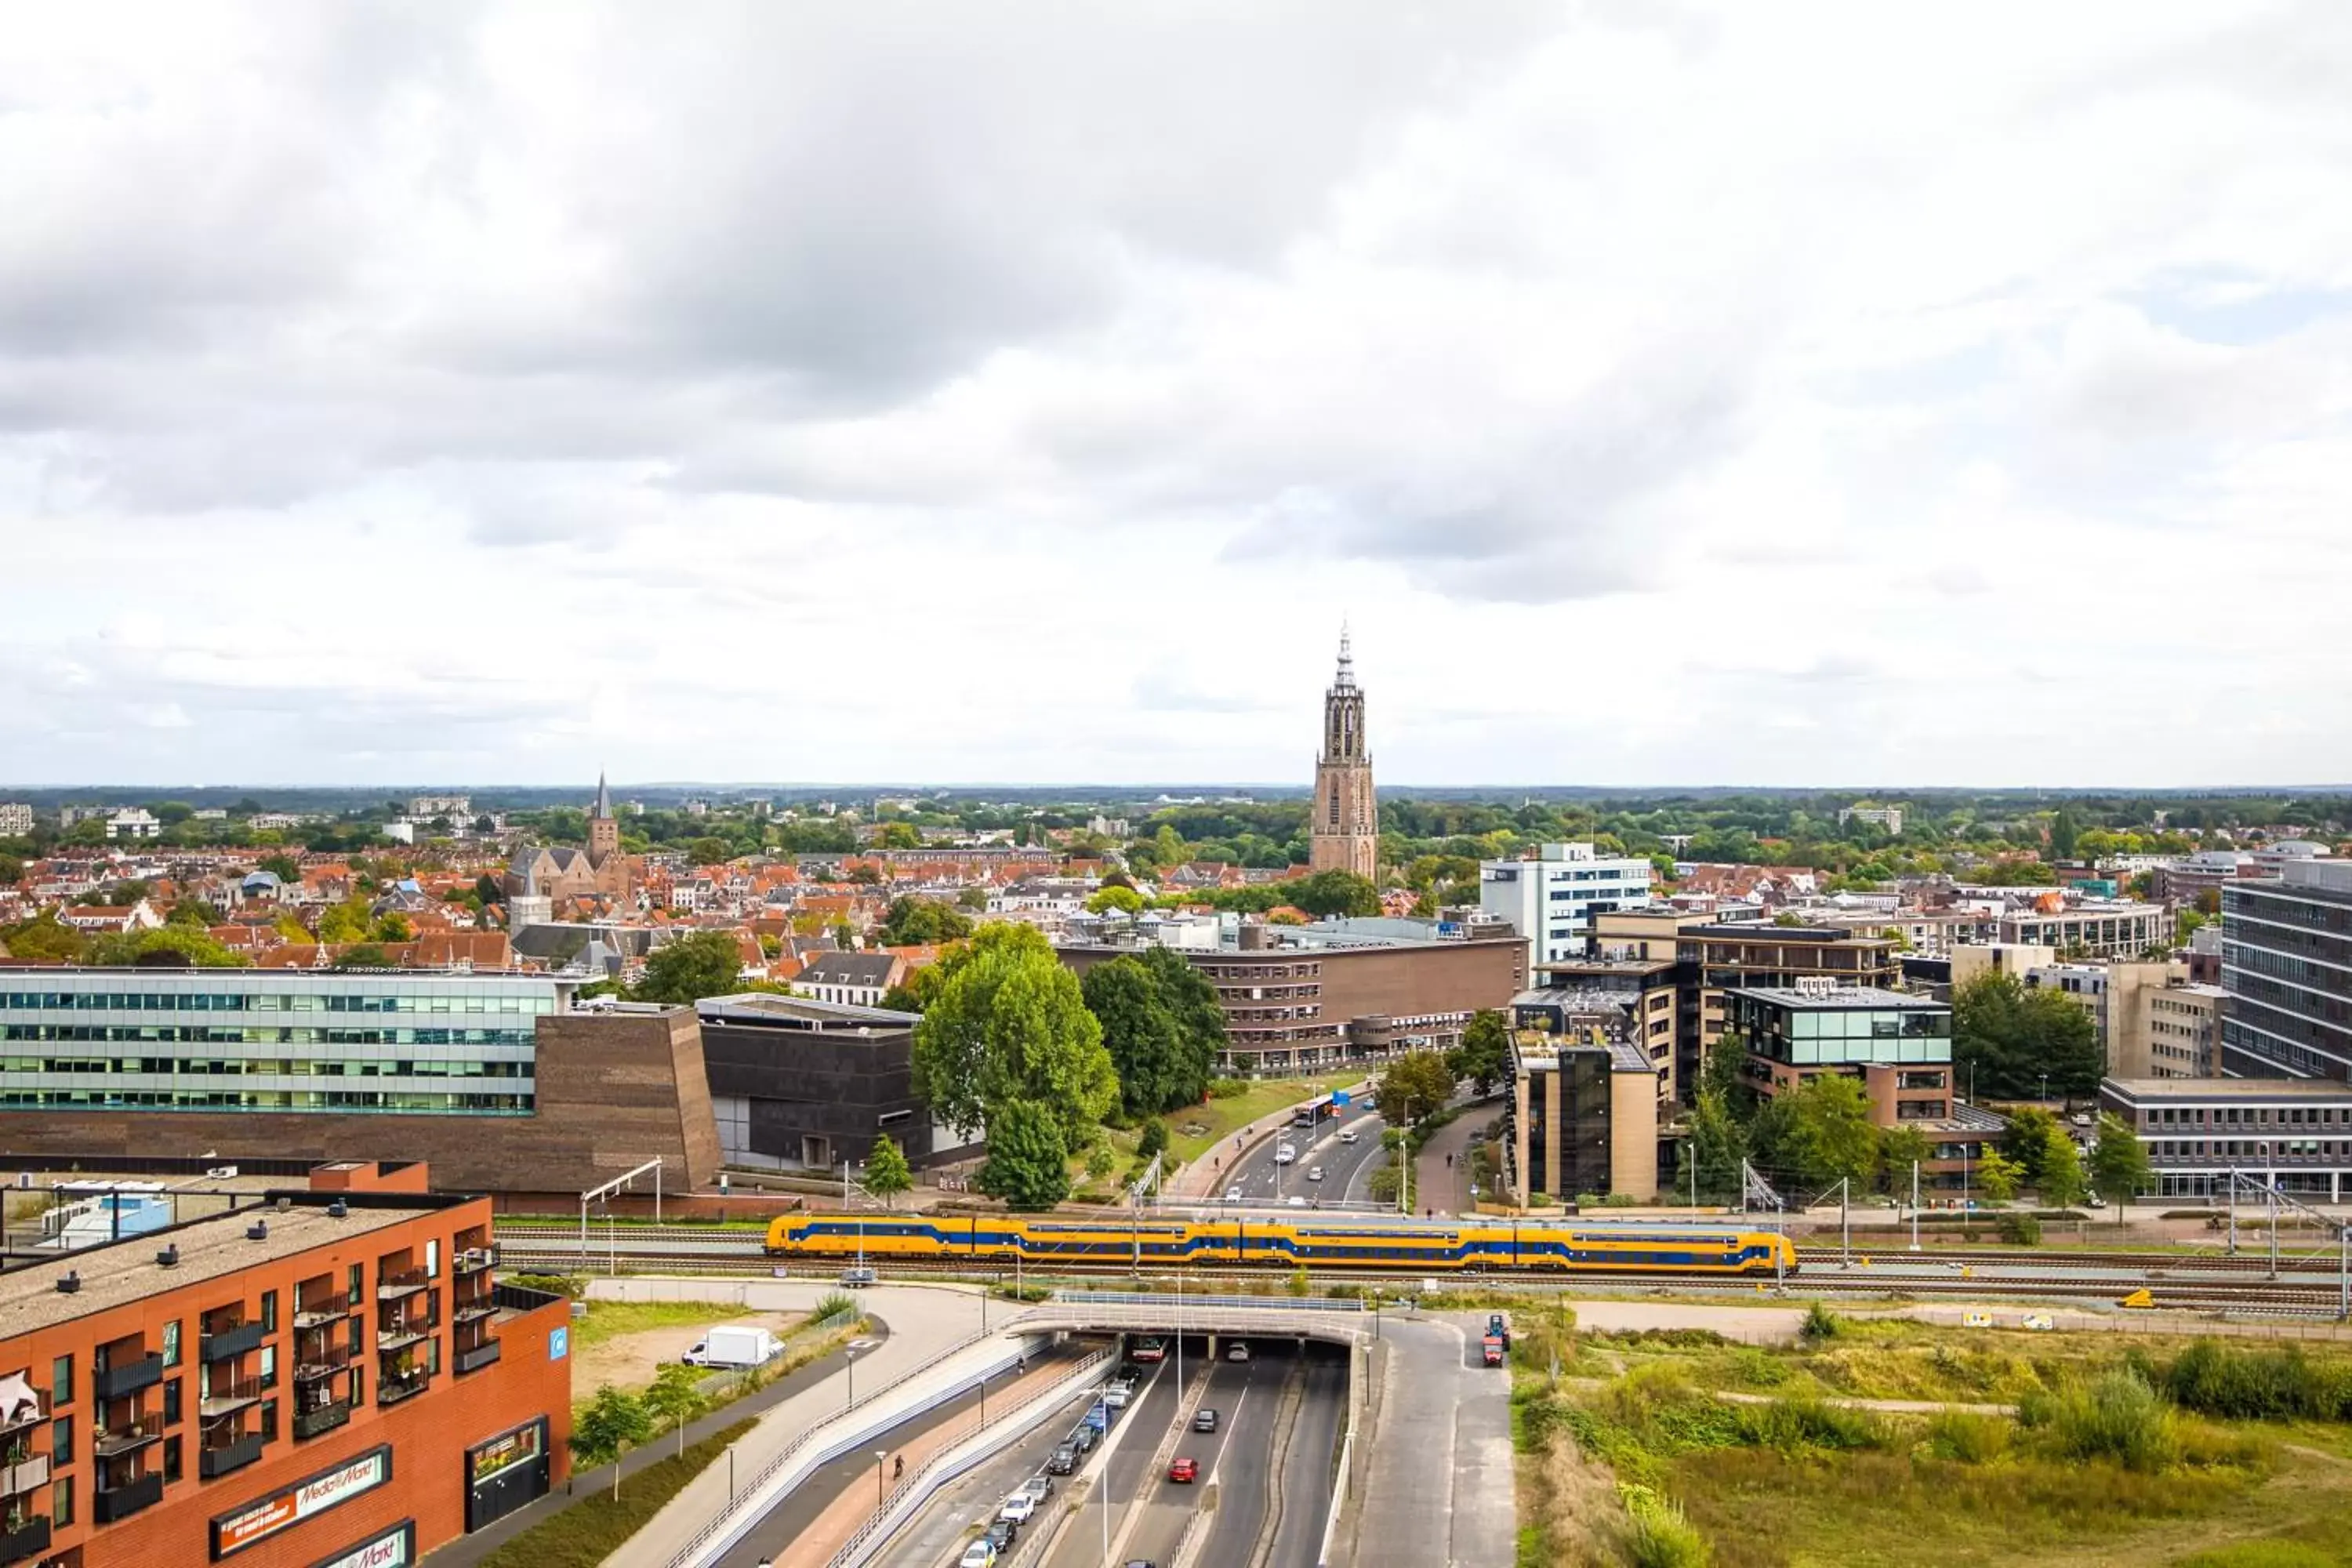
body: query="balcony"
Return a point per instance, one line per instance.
(126, 1377)
(23, 1473)
(475, 1310)
(319, 1368)
(393, 1390)
(115, 1443)
(229, 1399)
(34, 1415)
(230, 1342)
(474, 1259)
(393, 1284)
(473, 1358)
(29, 1538)
(324, 1313)
(321, 1418)
(400, 1336)
(221, 1459)
(120, 1502)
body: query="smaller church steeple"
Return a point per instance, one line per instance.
(604, 796)
(603, 833)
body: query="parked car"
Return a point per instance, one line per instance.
(980, 1553)
(1064, 1460)
(1018, 1508)
(1182, 1468)
(1240, 1351)
(1204, 1419)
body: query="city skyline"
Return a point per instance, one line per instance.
(1841, 393)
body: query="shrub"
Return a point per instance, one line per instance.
(1966, 1438)
(1538, 1200)
(1227, 1089)
(2117, 1416)
(554, 1284)
(1300, 1284)
(1821, 1324)
(2214, 1379)
(1790, 1426)
(1661, 1536)
(1618, 1201)
(833, 1301)
(1154, 1140)
(1587, 1200)
(2020, 1229)
(1756, 1369)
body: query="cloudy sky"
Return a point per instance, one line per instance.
(1787, 393)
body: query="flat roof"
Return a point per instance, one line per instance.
(759, 1006)
(1843, 998)
(2227, 1087)
(213, 1248)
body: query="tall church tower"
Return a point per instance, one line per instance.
(603, 832)
(1344, 831)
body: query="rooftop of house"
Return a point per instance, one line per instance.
(216, 1247)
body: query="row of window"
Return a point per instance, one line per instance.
(237, 1001)
(2240, 1148)
(268, 1099)
(2250, 1116)
(201, 1035)
(249, 1067)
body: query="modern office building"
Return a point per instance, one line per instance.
(1631, 999)
(2095, 928)
(2286, 963)
(319, 1378)
(1583, 1120)
(1899, 1047)
(2294, 1133)
(1302, 998)
(798, 1084)
(1549, 900)
(487, 1077)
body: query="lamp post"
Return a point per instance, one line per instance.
(881, 1492)
(853, 1381)
(730, 1472)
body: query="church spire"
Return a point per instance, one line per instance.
(604, 797)
(1346, 680)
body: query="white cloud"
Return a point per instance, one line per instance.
(1824, 393)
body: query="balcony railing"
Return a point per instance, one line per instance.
(219, 1459)
(474, 1259)
(473, 1358)
(228, 1343)
(322, 1312)
(319, 1368)
(475, 1311)
(321, 1418)
(33, 1415)
(120, 1502)
(522, 1298)
(22, 1474)
(393, 1390)
(29, 1538)
(120, 1440)
(400, 1336)
(228, 1398)
(127, 1377)
(393, 1284)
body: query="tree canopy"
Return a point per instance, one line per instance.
(886, 1175)
(2007, 1036)
(1414, 1088)
(1161, 1026)
(2119, 1165)
(684, 971)
(1484, 1056)
(921, 922)
(1028, 1159)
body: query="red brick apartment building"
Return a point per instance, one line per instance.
(321, 1379)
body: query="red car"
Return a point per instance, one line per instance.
(1184, 1470)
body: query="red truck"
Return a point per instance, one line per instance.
(1492, 1348)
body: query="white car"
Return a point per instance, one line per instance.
(1347, 1135)
(1314, 1173)
(1017, 1508)
(1037, 1488)
(1240, 1351)
(1233, 1195)
(1115, 1397)
(979, 1554)
(1283, 1154)
(1295, 1200)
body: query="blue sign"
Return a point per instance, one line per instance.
(559, 1342)
(1339, 1097)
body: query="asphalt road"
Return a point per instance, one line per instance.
(1165, 1507)
(938, 1535)
(1346, 1166)
(1129, 1474)
(1245, 1469)
(1304, 1499)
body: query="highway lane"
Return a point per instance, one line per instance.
(964, 1505)
(1264, 1183)
(1244, 1472)
(1304, 1499)
(1127, 1475)
(1164, 1509)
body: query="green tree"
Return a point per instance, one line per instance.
(1414, 1088)
(899, 835)
(684, 971)
(1725, 1074)
(169, 947)
(708, 851)
(344, 922)
(2119, 1165)
(1831, 1133)
(393, 926)
(1100, 1159)
(1717, 1145)
(973, 898)
(1154, 1138)
(1028, 1159)
(282, 867)
(487, 889)
(1484, 1056)
(189, 912)
(886, 1175)
(2061, 1182)
(45, 939)
(1999, 1175)
(1331, 893)
(12, 870)
(365, 955)
(2007, 1037)
(1127, 901)
(1900, 1148)
(2062, 835)
(607, 1427)
(1009, 1025)
(676, 1398)
(2027, 1141)
(1161, 1024)
(919, 922)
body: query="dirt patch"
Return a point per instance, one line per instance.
(631, 1361)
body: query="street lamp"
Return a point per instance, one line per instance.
(853, 1381)
(881, 1494)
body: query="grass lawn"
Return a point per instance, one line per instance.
(1219, 1118)
(609, 1319)
(594, 1527)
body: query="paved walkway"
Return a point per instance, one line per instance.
(1444, 1188)
(1438, 1490)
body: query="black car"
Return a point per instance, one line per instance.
(1064, 1460)
(1204, 1420)
(1001, 1533)
(1086, 1437)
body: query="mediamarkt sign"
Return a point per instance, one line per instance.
(233, 1532)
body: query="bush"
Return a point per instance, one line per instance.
(554, 1284)
(1227, 1089)
(2212, 1379)
(2117, 1417)
(2020, 1229)
(1301, 1284)
(833, 1301)
(1661, 1536)
(1618, 1201)
(1821, 1324)
(1965, 1438)
(1791, 1426)
(1587, 1200)
(1154, 1140)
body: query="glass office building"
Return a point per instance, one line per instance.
(246, 1039)
(2286, 963)
(1841, 1027)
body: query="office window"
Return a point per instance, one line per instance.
(61, 1382)
(269, 1312)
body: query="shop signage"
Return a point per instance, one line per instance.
(233, 1532)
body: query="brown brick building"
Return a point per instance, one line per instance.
(324, 1378)
(1295, 1001)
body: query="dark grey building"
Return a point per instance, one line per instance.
(798, 1084)
(2286, 963)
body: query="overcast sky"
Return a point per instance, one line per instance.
(1743, 394)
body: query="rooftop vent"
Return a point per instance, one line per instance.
(338, 1209)
(70, 1283)
(170, 1257)
(284, 1204)
(257, 1231)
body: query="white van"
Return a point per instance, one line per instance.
(1347, 1135)
(1283, 1154)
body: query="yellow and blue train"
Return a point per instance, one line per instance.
(1328, 1242)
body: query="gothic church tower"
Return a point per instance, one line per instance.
(603, 832)
(1344, 830)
